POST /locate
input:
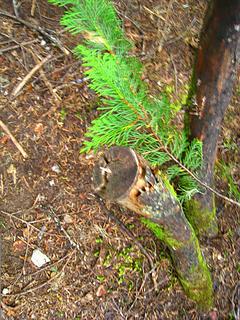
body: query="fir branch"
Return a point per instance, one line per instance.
(97, 21)
(131, 118)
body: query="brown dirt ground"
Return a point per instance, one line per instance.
(107, 277)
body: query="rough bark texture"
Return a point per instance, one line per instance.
(215, 69)
(122, 176)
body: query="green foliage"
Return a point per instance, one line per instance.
(127, 263)
(97, 21)
(63, 114)
(129, 116)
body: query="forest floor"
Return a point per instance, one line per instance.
(96, 271)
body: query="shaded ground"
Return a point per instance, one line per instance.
(106, 276)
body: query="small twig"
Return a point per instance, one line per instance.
(191, 174)
(33, 8)
(26, 252)
(20, 45)
(45, 79)
(14, 140)
(19, 87)
(59, 225)
(127, 232)
(39, 29)
(42, 284)
(175, 73)
(16, 5)
(132, 21)
(49, 266)
(154, 13)
(26, 222)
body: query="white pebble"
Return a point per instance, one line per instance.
(5, 291)
(39, 259)
(55, 168)
(51, 183)
(43, 43)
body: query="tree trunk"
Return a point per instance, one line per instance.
(122, 176)
(212, 84)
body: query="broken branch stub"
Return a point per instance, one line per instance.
(121, 175)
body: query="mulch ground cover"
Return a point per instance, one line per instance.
(97, 270)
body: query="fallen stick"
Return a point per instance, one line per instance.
(14, 140)
(19, 87)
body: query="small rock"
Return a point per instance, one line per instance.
(39, 259)
(5, 291)
(51, 183)
(68, 219)
(213, 315)
(237, 27)
(43, 43)
(55, 168)
(219, 257)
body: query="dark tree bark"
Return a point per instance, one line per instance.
(122, 176)
(212, 84)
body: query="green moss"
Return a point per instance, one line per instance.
(199, 286)
(161, 234)
(169, 186)
(196, 281)
(203, 220)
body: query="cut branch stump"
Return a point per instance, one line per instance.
(122, 176)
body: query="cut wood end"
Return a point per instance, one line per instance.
(122, 176)
(115, 172)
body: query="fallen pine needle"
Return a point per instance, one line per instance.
(14, 140)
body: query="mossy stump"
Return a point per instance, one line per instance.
(122, 176)
(202, 218)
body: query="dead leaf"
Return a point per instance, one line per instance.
(38, 129)
(101, 291)
(19, 246)
(4, 139)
